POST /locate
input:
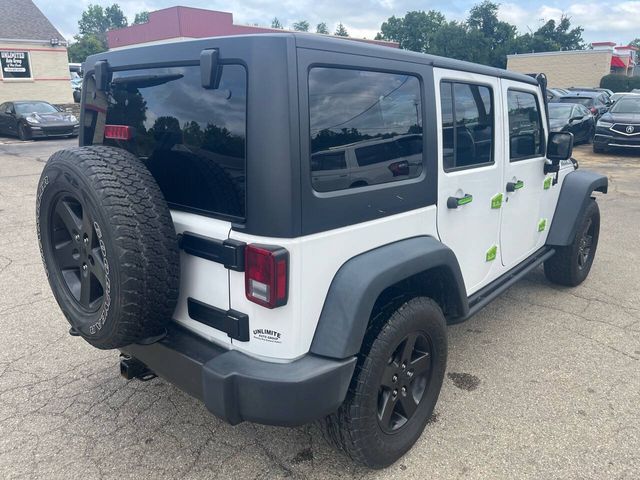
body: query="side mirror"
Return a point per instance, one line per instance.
(8, 111)
(575, 119)
(209, 71)
(559, 146)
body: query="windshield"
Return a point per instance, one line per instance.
(627, 105)
(559, 112)
(34, 107)
(586, 101)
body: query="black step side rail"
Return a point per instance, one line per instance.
(234, 324)
(485, 295)
(229, 253)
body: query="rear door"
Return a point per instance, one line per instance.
(470, 172)
(192, 140)
(524, 219)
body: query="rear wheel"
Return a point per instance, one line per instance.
(395, 386)
(571, 264)
(590, 135)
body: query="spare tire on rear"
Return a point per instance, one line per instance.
(108, 245)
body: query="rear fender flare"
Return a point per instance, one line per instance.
(360, 281)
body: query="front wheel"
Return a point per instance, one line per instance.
(571, 264)
(395, 387)
(23, 134)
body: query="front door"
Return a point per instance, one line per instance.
(470, 172)
(7, 119)
(525, 219)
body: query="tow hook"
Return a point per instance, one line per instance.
(131, 368)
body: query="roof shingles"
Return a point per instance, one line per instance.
(22, 20)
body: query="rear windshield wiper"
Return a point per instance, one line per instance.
(142, 81)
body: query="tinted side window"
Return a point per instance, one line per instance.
(467, 125)
(191, 139)
(374, 118)
(328, 161)
(525, 126)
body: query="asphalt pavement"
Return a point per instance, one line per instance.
(544, 383)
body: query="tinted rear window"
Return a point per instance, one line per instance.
(373, 118)
(191, 139)
(581, 100)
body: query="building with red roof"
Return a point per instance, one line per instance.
(185, 23)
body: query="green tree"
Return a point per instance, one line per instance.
(141, 17)
(552, 37)
(322, 28)
(96, 21)
(92, 30)
(415, 31)
(635, 43)
(301, 26)
(481, 38)
(84, 46)
(275, 23)
(496, 37)
(341, 31)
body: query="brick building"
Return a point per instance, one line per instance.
(582, 68)
(33, 55)
(184, 23)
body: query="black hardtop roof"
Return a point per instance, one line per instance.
(175, 50)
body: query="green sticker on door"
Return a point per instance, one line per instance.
(496, 201)
(547, 183)
(542, 224)
(492, 253)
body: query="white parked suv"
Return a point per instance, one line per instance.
(195, 230)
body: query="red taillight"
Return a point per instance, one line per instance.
(399, 168)
(118, 132)
(265, 277)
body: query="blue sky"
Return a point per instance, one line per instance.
(602, 20)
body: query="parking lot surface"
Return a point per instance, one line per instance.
(543, 383)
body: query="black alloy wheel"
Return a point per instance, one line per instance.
(23, 134)
(77, 253)
(108, 244)
(571, 264)
(404, 382)
(584, 245)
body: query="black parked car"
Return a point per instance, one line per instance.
(33, 119)
(620, 127)
(553, 93)
(596, 102)
(574, 118)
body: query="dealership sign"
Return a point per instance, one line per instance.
(15, 64)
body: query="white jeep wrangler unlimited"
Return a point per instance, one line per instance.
(283, 225)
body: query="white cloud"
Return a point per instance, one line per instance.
(602, 20)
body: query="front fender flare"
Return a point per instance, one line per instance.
(575, 193)
(360, 281)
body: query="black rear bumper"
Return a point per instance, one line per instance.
(236, 387)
